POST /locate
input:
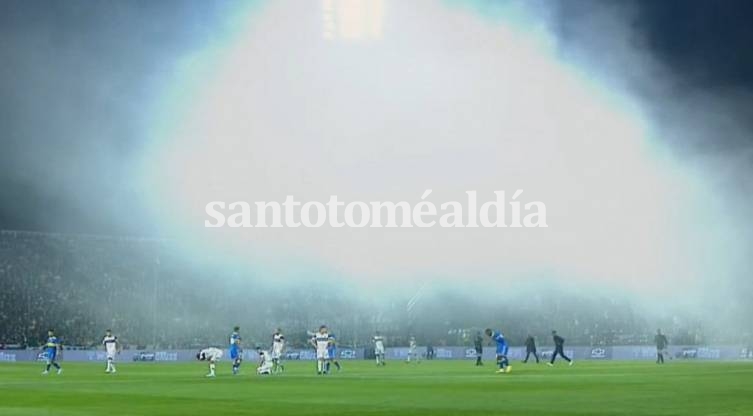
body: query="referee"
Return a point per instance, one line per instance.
(531, 349)
(559, 344)
(661, 345)
(478, 343)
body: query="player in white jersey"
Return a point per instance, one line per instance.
(278, 348)
(265, 362)
(212, 355)
(413, 350)
(112, 348)
(320, 341)
(379, 349)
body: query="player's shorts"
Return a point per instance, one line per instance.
(322, 354)
(276, 354)
(235, 353)
(51, 355)
(331, 353)
(264, 369)
(379, 351)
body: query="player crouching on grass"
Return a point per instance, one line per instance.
(212, 355)
(504, 364)
(265, 362)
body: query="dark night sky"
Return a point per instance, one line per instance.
(104, 61)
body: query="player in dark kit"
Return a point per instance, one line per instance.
(559, 344)
(531, 349)
(661, 345)
(478, 343)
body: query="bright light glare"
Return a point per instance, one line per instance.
(431, 97)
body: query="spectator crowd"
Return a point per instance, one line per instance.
(152, 295)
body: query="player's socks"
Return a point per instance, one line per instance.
(47, 370)
(337, 364)
(60, 370)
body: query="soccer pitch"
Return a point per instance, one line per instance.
(429, 388)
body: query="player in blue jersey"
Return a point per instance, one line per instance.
(51, 348)
(332, 353)
(499, 339)
(236, 352)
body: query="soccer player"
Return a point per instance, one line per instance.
(332, 353)
(51, 348)
(531, 349)
(278, 347)
(661, 345)
(236, 352)
(212, 355)
(320, 341)
(265, 362)
(559, 344)
(112, 347)
(412, 350)
(478, 344)
(379, 349)
(504, 364)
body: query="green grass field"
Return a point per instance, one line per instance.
(430, 388)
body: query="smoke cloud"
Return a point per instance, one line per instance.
(129, 118)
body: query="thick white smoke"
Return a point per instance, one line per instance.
(379, 103)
